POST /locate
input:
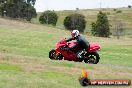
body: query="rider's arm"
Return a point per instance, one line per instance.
(70, 39)
(73, 47)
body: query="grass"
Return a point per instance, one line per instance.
(35, 42)
(24, 61)
(9, 67)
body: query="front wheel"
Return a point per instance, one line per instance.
(92, 58)
(52, 54)
(59, 57)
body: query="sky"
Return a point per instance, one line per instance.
(42, 5)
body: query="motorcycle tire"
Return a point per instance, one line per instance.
(93, 58)
(52, 54)
(59, 57)
(79, 60)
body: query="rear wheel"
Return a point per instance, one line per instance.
(79, 59)
(52, 54)
(92, 58)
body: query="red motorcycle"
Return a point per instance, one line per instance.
(60, 52)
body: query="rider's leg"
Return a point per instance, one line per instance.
(80, 54)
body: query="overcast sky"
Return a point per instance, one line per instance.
(42, 5)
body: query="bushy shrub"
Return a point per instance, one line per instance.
(75, 21)
(118, 11)
(48, 17)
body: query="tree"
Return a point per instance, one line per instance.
(75, 21)
(118, 11)
(101, 28)
(29, 12)
(115, 9)
(32, 2)
(94, 28)
(2, 7)
(2, 1)
(48, 17)
(129, 6)
(18, 9)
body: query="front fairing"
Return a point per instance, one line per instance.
(61, 43)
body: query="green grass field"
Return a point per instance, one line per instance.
(24, 61)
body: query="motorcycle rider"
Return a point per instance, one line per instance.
(81, 41)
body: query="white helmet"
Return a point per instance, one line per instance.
(75, 33)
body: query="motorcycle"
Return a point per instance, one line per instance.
(60, 52)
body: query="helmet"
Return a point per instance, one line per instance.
(75, 33)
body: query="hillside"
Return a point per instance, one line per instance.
(91, 15)
(24, 61)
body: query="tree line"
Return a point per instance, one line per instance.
(77, 21)
(24, 9)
